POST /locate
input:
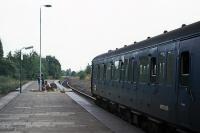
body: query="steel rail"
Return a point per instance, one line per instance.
(80, 92)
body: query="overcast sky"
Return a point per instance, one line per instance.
(75, 31)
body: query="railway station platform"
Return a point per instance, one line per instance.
(52, 112)
(55, 112)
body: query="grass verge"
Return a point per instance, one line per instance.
(8, 84)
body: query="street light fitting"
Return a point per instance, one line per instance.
(47, 5)
(30, 47)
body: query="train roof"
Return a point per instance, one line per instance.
(185, 30)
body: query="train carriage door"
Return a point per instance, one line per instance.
(153, 77)
(184, 84)
(165, 94)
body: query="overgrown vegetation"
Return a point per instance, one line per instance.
(9, 84)
(10, 68)
(82, 74)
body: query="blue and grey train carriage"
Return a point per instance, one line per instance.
(156, 80)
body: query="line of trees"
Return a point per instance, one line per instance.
(10, 65)
(82, 74)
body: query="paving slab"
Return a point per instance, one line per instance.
(10, 96)
(47, 112)
(113, 122)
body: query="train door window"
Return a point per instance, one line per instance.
(130, 70)
(144, 68)
(185, 68)
(112, 71)
(121, 67)
(117, 70)
(170, 67)
(126, 69)
(161, 67)
(108, 72)
(104, 71)
(135, 72)
(153, 70)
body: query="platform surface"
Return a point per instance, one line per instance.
(47, 112)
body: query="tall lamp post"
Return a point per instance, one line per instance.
(40, 85)
(20, 73)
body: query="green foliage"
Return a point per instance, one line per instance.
(7, 68)
(1, 50)
(73, 73)
(68, 72)
(10, 68)
(88, 69)
(82, 75)
(8, 84)
(63, 73)
(53, 67)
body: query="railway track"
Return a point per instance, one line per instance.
(78, 91)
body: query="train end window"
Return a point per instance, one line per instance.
(185, 68)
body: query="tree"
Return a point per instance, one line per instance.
(88, 69)
(1, 50)
(7, 68)
(73, 73)
(68, 72)
(53, 67)
(82, 75)
(9, 56)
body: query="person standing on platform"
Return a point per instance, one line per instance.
(42, 80)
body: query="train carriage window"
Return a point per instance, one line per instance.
(117, 70)
(144, 68)
(126, 70)
(135, 67)
(161, 67)
(184, 68)
(98, 72)
(170, 67)
(112, 71)
(121, 68)
(108, 71)
(130, 70)
(104, 71)
(153, 70)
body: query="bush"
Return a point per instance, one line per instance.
(82, 75)
(6, 68)
(8, 84)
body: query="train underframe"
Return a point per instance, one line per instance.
(148, 123)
